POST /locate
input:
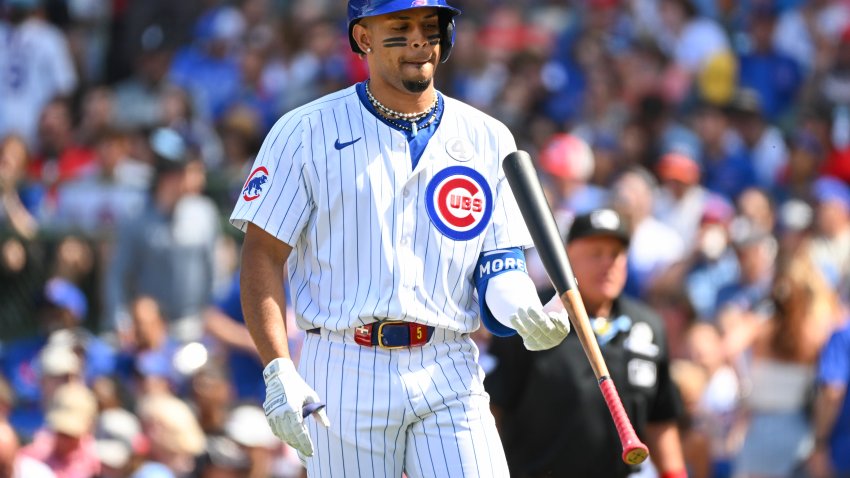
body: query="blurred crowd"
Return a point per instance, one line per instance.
(720, 129)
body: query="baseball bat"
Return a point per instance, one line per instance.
(528, 192)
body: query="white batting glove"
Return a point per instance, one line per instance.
(539, 329)
(286, 395)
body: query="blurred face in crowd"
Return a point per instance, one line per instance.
(8, 449)
(710, 125)
(706, 346)
(13, 160)
(755, 205)
(111, 151)
(405, 47)
(833, 218)
(762, 32)
(673, 15)
(756, 259)
(633, 197)
(64, 445)
(148, 325)
(55, 128)
(599, 264)
(50, 383)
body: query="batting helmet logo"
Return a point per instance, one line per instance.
(254, 185)
(459, 202)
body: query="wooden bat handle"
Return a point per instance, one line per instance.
(634, 451)
(581, 327)
(522, 177)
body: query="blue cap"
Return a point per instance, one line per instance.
(154, 363)
(62, 293)
(358, 9)
(829, 189)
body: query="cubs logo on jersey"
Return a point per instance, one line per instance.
(459, 202)
(254, 185)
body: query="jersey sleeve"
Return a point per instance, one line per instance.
(276, 195)
(507, 228)
(834, 363)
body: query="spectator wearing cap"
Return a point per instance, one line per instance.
(681, 199)
(654, 245)
(97, 202)
(38, 60)
(726, 166)
(831, 245)
(712, 264)
(266, 455)
(224, 458)
(568, 161)
(534, 395)
(756, 251)
(66, 444)
(764, 142)
(174, 437)
(775, 76)
(208, 68)
(167, 251)
(138, 97)
(119, 441)
(27, 361)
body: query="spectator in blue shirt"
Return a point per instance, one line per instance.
(776, 76)
(831, 455)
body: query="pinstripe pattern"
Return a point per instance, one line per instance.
(365, 247)
(427, 412)
(328, 203)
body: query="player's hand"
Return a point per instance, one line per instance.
(539, 329)
(286, 395)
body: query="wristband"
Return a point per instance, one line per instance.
(675, 474)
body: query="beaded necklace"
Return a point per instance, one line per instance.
(412, 118)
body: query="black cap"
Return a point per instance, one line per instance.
(600, 222)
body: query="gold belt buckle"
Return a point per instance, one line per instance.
(381, 334)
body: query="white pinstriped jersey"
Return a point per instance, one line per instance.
(372, 236)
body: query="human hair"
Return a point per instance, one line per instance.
(805, 308)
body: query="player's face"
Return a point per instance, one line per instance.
(405, 47)
(599, 264)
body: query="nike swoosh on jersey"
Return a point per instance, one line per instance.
(339, 146)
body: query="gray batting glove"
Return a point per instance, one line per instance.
(286, 395)
(539, 329)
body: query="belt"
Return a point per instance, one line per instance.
(390, 334)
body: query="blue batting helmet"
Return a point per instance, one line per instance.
(358, 9)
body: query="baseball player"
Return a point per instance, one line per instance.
(388, 205)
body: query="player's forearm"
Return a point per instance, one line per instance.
(665, 447)
(261, 290)
(827, 406)
(227, 330)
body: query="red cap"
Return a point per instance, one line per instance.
(567, 157)
(678, 167)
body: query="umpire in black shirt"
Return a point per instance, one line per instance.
(551, 414)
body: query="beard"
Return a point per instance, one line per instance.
(416, 86)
